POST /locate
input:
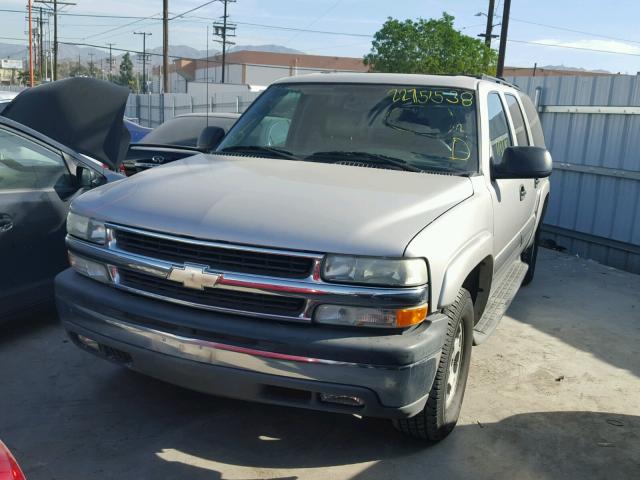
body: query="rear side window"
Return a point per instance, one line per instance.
(518, 120)
(498, 127)
(537, 136)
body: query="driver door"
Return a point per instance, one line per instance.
(35, 190)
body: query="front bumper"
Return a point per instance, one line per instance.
(255, 359)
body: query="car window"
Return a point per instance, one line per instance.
(499, 135)
(420, 127)
(517, 119)
(25, 164)
(184, 131)
(537, 136)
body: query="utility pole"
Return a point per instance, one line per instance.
(488, 33)
(224, 30)
(144, 59)
(55, 31)
(30, 47)
(503, 38)
(110, 61)
(165, 46)
(78, 65)
(91, 54)
(41, 45)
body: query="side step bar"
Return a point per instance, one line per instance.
(499, 300)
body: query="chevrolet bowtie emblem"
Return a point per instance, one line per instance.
(193, 276)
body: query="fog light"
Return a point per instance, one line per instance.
(87, 342)
(370, 317)
(349, 400)
(89, 268)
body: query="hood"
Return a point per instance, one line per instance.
(279, 203)
(84, 114)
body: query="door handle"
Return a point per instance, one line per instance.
(6, 222)
(523, 192)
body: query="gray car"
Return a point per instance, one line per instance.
(348, 241)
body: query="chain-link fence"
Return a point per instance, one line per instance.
(150, 110)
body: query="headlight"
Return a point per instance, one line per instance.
(388, 272)
(86, 228)
(370, 317)
(89, 268)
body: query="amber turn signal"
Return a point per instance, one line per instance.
(411, 316)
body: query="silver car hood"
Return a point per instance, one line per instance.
(295, 205)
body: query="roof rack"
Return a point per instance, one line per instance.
(499, 80)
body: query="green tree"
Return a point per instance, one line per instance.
(126, 72)
(428, 46)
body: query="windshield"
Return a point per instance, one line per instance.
(400, 127)
(184, 131)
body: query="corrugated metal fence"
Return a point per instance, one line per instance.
(592, 128)
(151, 110)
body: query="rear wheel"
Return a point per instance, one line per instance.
(440, 414)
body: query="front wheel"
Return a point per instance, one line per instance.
(441, 412)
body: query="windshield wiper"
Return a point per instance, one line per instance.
(256, 149)
(338, 156)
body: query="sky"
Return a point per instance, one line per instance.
(574, 25)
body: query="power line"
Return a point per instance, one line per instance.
(194, 9)
(555, 27)
(586, 49)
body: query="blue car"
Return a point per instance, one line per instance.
(137, 132)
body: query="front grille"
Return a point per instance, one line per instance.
(214, 297)
(217, 258)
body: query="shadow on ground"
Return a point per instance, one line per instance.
(136, 427)
(589, 306)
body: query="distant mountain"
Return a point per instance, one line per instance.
(71, 53)
(265, 48)
(572, 69)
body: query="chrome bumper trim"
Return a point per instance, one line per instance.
(375, 377)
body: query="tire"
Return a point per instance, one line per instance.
(441, 412)
(530, 255)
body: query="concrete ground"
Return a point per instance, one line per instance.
(555, 393)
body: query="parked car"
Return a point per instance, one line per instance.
(350, 239)
(180, 137)
(137, 131)
(9, 468)
(52, 148)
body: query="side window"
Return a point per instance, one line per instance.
(25, 164)
(498, 128)
(534, 121)
(518, 120)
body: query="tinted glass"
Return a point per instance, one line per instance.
(184, 131)
(518, 120)
(26, 165)
(537, 136)
(424, 127)
(498, 128)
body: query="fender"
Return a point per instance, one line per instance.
(462, 263)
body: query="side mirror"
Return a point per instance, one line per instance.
(523, 162)
(88, 178)
(209, 138)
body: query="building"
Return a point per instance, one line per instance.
(250, 68)
(9, 69)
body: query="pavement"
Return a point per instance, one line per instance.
(554, 393)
